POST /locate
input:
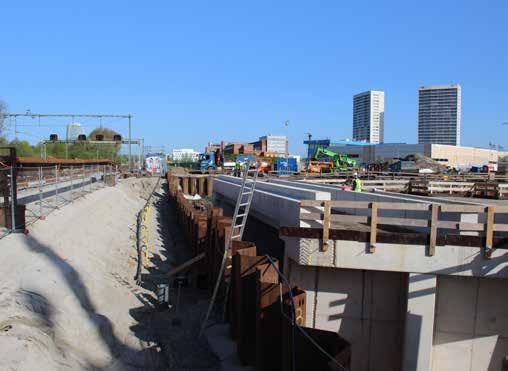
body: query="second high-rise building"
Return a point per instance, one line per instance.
(439, 111)
(368, 116)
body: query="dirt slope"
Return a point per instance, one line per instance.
(67, 291)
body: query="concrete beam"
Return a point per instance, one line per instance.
(275, 209)
(448, 260)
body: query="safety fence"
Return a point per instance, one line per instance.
(387, 175)
(485, 222)
(30, 193)
(267, 314)
(480, 189)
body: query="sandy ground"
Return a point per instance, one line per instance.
(67, 294)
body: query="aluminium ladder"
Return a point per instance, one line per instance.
(238, 223)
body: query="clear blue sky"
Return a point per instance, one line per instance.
(193, 71)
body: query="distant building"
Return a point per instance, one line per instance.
(272, 145)
(368, 116)
(268, 145)
(184, 154)
(74, 129)
(238, 149)
(448, 155)
(212, 147)
(439, 114)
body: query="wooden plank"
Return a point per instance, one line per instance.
(454, 208)
(187, 264)
(500, 227)
(403, 222)
(350, 204)
(433, 228)
(489, 227)
(326, 226)
(344, 218)
(391, 238)
(413, 206)
(373, 227)
(365, 205)
(463, 226)
(311, 216)
(304, 203)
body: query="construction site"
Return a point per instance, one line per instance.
(253, 186)
(115, 268)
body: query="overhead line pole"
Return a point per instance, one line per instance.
(29, 114)
(130, 148)
(73, 115)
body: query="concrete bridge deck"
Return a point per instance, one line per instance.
(400, 307)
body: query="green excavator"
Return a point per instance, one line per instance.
(340, 162)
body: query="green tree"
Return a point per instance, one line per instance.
(23, 148)
(85, 150)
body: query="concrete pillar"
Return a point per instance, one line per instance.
(419, 329)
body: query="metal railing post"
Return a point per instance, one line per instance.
(72, 184)
(56, 186)
(40, 192)
(83, 179)
(90, 178)
(13, 202)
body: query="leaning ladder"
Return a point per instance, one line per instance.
(238, 223)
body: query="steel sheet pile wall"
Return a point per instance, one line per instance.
(259, 307)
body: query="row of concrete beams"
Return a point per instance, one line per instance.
(277, 203)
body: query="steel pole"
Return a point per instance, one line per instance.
(130, 144)
(13, 201)
(40, 192)
(56, 185)
(72, 184)
(83, 179)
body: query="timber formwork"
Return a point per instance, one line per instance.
(258, 308)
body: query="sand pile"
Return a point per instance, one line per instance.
(66, 290)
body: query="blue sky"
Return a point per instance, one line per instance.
(195, 71)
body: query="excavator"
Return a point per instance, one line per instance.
(336, 162)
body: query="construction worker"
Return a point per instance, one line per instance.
(357, 183)
(238, 169)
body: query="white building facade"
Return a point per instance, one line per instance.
(74, 129)
(454, 156)
(439, 114)
(184, 154)
(368, 116)
(276, 144)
